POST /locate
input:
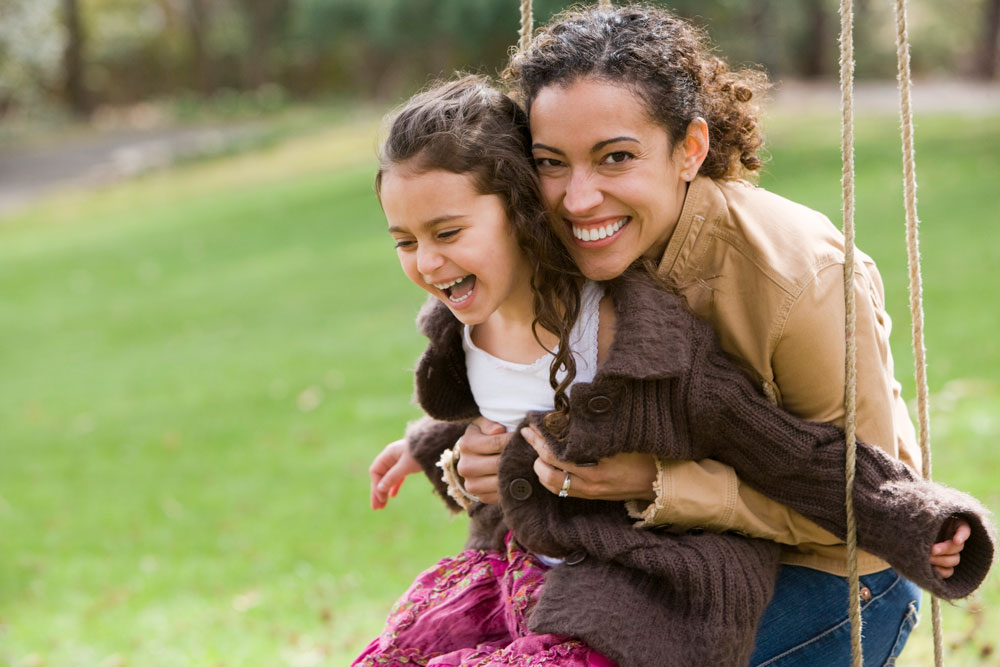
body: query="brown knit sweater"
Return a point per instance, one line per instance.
(648, 598)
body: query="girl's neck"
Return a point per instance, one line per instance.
(507, 333)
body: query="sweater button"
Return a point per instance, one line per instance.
(576, 557)
(599, 404)
(520, 489)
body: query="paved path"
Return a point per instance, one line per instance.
(29, 172)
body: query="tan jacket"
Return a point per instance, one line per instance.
(767, 273)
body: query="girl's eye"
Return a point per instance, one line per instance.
(403, 244)
(448, 233)
(618, 157)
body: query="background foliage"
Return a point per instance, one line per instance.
(84, 53)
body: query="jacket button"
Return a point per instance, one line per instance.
(520, 489)
(576, 557)
(599, 404)
(866, 594)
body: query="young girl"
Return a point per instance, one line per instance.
(558, 580)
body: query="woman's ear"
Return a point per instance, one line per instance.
(694, 148)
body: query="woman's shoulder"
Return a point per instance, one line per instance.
(773, 237)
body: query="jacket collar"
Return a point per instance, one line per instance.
(702, 202)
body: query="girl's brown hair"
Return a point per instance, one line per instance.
(662, 58)
(467, 126)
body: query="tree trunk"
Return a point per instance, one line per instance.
(197, 22)
(814, 55)
(762, 24)
(986, 54)
(75, 88)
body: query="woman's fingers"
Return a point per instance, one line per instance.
(479, 458)
(628, 476)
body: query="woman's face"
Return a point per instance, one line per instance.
(609, 173)
(455, 242)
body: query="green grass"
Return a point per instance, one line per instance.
(199, 365)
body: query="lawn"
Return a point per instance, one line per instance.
(198, 366)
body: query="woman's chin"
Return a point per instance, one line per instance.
(597, 265)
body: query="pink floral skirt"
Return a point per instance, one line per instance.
(472, 611)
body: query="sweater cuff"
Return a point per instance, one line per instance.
(651, 515)
(449, 473)
(691, 495)
(427, 439)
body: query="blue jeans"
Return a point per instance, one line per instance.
(806, 624)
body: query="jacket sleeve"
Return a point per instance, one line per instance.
(708, 495)
(801, 465)
(809, 359)
(428, 438)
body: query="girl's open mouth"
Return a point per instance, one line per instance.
(459, 291)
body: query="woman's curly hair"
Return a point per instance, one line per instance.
(665, 60)
(467, 126)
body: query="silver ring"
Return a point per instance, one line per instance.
(564, 491)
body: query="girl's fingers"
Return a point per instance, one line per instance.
(946, 561)
(945, 572)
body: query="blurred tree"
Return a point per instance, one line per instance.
(986, 57)
(32, 42)
(247, 50)
(267, 22)
(77, 96)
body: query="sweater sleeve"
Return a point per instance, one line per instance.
(427, 439)
(801, 464)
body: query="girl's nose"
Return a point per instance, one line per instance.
(582, 194)
(429, 260)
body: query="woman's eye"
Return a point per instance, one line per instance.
(544, 162)
(618, 157)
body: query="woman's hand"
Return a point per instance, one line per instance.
(388, 471)
(628, 476)
(946, 555)
(479, 458)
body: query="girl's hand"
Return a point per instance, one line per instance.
(946, 555)
(627, 476)
(388, 471)
(479, 458)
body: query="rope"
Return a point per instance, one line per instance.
(850, 389)
(913, 260)
(527, 21)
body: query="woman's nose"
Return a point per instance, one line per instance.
(582, 193)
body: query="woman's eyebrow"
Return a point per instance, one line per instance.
(601, 144)
(593, 149)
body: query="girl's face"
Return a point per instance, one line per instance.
(455, 242)
(609, 173)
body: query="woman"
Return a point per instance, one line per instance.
(640, 136)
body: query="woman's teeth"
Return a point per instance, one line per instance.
(598, 233)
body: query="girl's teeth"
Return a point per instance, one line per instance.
(447, 285)
(598, 233)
